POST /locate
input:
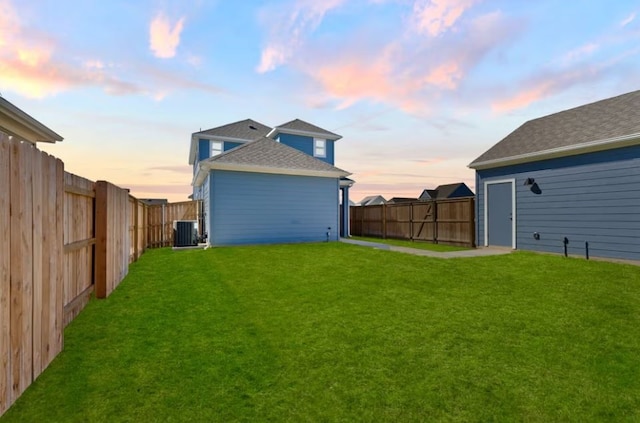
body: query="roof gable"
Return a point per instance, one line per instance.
(372, 200)
(428, 194)
(605, 124)
(241, 131)
(300, 127)
(268, 156)
(456, 190)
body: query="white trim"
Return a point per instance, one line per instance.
(205, 167)
(571, 150)
(316, 144)
(16, 122)
(324, 135)
(512, 181)
(217, 151)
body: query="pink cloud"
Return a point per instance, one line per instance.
(525, 97)
(400, 73)
(164, 37)
(445, 75)
(293, 26)
(436, 16)
(550, 83)
(30, 65)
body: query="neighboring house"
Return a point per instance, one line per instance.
(443, 192)
(400, 200)
(571, 176)
(154, 201)
(18, 124)
(372, 200)
(428, 194)
(269, 185)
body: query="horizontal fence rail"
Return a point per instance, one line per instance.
(450, 222)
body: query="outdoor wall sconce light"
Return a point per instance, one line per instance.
(529, 181)
(536, 236)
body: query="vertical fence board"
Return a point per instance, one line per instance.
(57, 325)
(101, 240)
(5, 274)
(21, 269)
(38, 306)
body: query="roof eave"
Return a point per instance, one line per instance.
(21, 125)
(234, 167)
(275, 131)
(573, 150)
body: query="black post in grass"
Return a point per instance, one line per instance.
(586, 250)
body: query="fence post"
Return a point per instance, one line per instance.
(384, 221)
(472, 225)
(411, 221)
(435, 221)
(101, 239)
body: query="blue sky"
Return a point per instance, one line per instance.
(417, 88)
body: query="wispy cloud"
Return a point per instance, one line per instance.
(185, 169)
(626, 21)
(434, 17)
(164, 37)
(580, 66)
(293, 26)
(581, 52)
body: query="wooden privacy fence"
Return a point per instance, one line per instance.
(31, 265)
(439, 221)
(62, 237)
(161, 217)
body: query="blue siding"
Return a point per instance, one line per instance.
(305, 144)
(228, 145)
(592, 198)
(258, 208)
(204, 149)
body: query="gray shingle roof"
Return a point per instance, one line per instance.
(448, 190)
(302, 126)
(247, 129)
(267, 153)
(603, 120)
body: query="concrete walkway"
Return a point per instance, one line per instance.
(476, 252)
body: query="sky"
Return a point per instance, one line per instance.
(417, 88)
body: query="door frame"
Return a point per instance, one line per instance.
(512, 181)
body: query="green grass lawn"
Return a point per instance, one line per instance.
(411, 244)
(336, 332)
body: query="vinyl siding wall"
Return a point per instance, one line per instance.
(257, 208)
(592, 198)
(305, 144)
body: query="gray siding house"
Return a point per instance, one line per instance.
(571, 178)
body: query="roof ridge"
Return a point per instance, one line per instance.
(231, 124)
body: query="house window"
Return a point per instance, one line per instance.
(216, 148)
(319, 147)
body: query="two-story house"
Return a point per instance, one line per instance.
(269, 185)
